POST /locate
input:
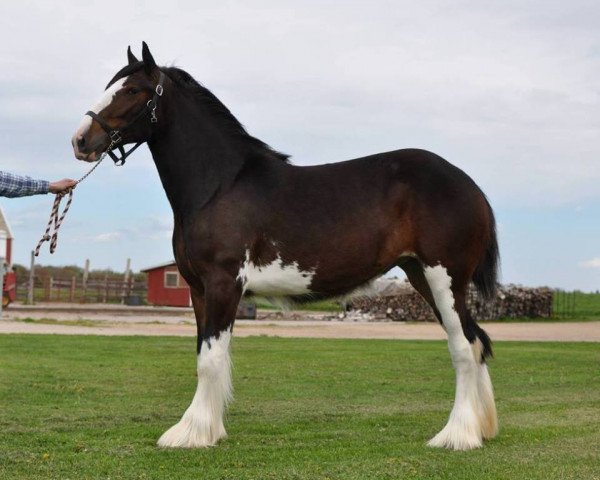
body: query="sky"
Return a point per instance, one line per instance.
(508, 91)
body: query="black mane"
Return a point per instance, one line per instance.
(222, 114)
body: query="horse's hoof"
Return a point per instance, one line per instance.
(187, 435)
(451, 442)
(460, 433)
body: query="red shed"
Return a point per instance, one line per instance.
(9, 284)
(6, 239)
(167, 287)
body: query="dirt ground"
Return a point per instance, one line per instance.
(117, 320)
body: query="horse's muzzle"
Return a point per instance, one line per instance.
(79, 150)
(87, 157)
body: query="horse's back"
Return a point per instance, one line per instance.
(395, 177)
(410, 165)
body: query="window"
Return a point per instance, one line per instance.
(171, 279)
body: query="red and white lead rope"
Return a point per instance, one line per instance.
(55, 221)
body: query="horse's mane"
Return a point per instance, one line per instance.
(221, 114)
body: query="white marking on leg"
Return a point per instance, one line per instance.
(489, 416)
(202, 423)
(463, 430)
(276, 278)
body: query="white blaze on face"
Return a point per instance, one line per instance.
(105, 101)
(276, 278)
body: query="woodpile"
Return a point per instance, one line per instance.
(400, 302)
(512, 301)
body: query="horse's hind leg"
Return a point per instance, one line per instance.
(481, 345)
(473, 416)
(202, 423)
(416, 276)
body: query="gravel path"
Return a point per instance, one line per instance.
(110, 323)
(99, 319)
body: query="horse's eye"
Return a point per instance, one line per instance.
(133, 91)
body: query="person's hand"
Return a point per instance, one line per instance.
(62, 186)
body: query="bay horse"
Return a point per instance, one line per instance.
(247, 221)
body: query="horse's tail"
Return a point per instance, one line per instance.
(485, 276)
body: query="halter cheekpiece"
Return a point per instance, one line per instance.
(116, 136)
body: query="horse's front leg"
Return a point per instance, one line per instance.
(202, 423)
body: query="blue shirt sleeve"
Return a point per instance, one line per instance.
(12, 185)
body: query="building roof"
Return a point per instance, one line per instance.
(162, 265)
(4, 225)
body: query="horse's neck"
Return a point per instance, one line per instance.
(193, 159)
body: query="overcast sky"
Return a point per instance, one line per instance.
(508, 91)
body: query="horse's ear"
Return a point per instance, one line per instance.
(149, 63)
(131, 57)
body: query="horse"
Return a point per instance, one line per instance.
(249, 222)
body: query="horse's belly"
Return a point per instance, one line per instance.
(275, 278)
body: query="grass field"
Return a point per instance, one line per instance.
(93, 407)
(577, 305)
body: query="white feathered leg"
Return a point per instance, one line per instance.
(463, 430)
(202, 423)
(489, 416)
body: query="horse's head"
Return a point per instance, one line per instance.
(125, 111)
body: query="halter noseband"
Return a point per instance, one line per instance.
(116, 135)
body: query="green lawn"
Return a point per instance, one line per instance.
(577, 305)
(93, 407)
(318, 306)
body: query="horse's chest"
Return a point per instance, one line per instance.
(276, 278)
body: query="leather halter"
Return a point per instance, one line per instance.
(116, 136)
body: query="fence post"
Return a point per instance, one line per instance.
(86, 272)
(31, 284)
(125, 281)
(105, 295)
(72, 293)
(48, 289)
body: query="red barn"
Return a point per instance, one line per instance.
(6, 239)
(167, 287)
(9, 284)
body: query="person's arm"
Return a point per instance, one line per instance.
(12, 185)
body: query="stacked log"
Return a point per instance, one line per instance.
(402, 303)
(512, 301)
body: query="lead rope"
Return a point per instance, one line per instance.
(55, 220)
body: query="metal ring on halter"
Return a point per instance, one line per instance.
(152, 107)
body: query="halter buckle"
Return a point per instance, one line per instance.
(159, 90)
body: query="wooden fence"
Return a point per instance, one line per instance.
(78, 290)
